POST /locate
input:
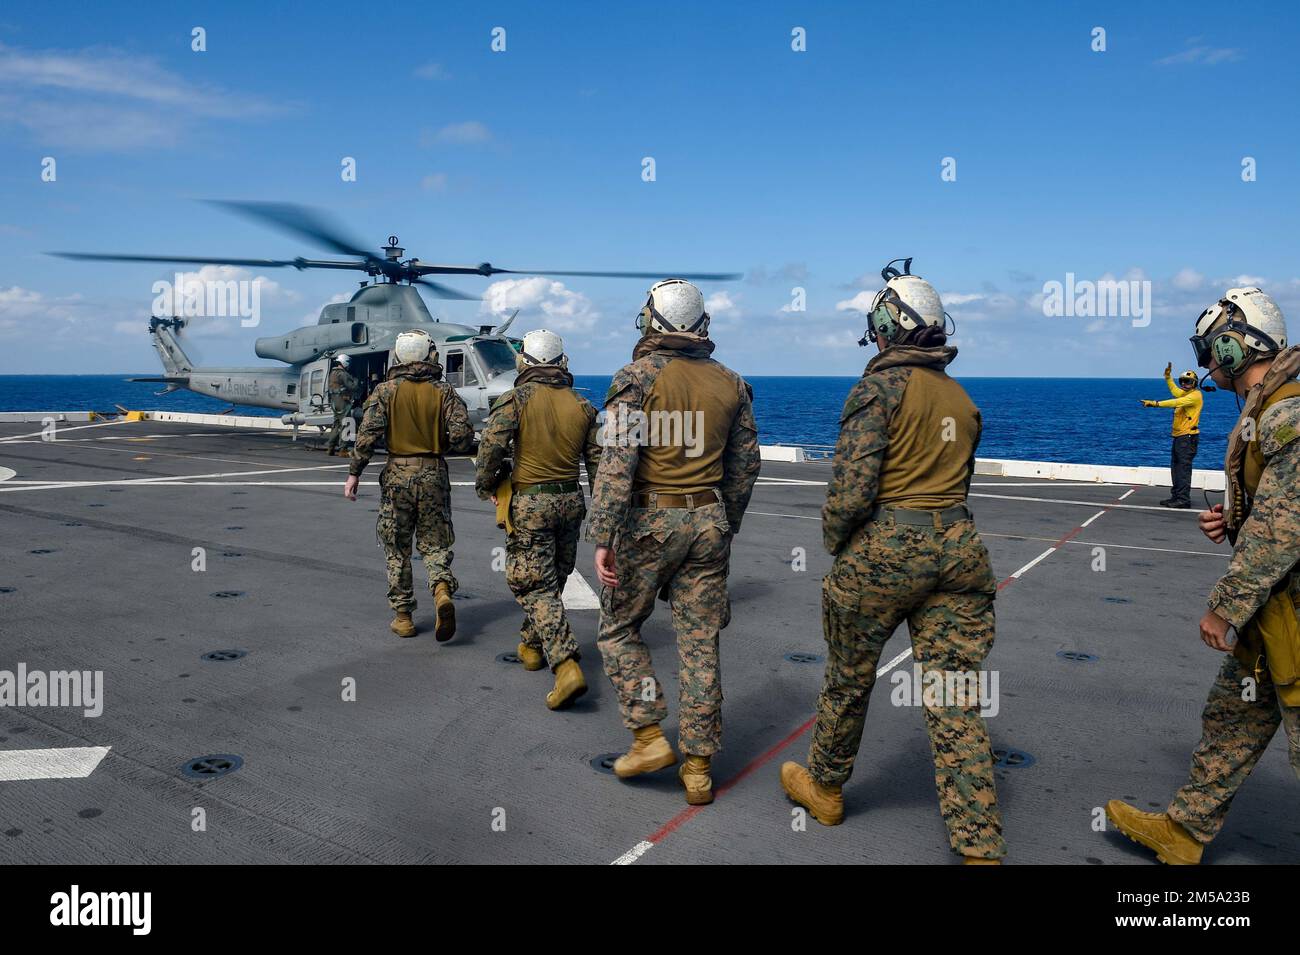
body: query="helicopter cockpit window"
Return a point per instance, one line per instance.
(458, 372)
(496, 357)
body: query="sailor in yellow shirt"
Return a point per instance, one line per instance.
(1186, 402)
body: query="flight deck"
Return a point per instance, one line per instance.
(233, 601)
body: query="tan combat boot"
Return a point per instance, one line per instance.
(694, 775)
(979, 860)
(402, 624)
(446, 609)
(530, 657)
(569, 685)
(826, 803)
(1172, 844)
(650, 751)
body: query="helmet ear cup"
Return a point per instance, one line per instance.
(884, 326)
(1229, 352)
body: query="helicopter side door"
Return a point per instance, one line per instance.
(313, 387)
(462, 374)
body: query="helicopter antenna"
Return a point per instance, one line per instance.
(502, 329)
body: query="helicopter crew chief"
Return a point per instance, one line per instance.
(420, 417)
(1242, 341)
(343, 391)
(547, 429)
(906, 548)
(666, 502)
(1186, 402)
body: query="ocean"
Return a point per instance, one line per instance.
(1080, 420)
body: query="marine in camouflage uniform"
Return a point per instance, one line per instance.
(680, 458)
(342, 395)
(906, 549)
(1256, 689)
(420, 417)
(535, 437)
(1236, 730)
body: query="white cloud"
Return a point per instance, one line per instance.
(28, 313)
(858, 303)
(542, 302)
(790, 272)
(103, 99)
(835, 340)
(720, 304)
(951, 299)
(1187, 280)
(1201, 56)
(1244, 281)
(431, 71)
(269, 293)
(468, 133)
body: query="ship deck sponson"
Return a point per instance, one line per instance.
(447, 755)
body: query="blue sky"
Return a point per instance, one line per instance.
(807, 169)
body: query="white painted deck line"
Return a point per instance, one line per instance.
(578, 594)
(74, 762)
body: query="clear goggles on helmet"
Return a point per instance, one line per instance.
(1203, 340)
(1201, 348)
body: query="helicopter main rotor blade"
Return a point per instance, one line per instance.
(696, 276)
(444, 291)
(297, 220)
(299, 264)
(486, 268)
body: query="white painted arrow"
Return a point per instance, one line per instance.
(72, 762)
(578, 594)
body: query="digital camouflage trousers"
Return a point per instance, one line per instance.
(938, 580)
(415, 503)
(1235, 731)
(540, 555)
(684, 554)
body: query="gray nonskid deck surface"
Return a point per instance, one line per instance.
(443, 741)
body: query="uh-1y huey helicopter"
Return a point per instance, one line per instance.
(478, 360)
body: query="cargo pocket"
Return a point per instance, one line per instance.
(835, 605)
(645, 526)
(396, 477)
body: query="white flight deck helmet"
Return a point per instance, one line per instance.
(907, 302)
(1237, 329)
(674, 305)
(542, 347)
(342, 360)
(414, 345)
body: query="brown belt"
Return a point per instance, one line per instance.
(915, 517)
(402, 458)
(688, 501)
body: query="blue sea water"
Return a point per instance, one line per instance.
(1083, 420)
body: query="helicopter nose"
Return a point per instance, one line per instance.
(496, 389)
